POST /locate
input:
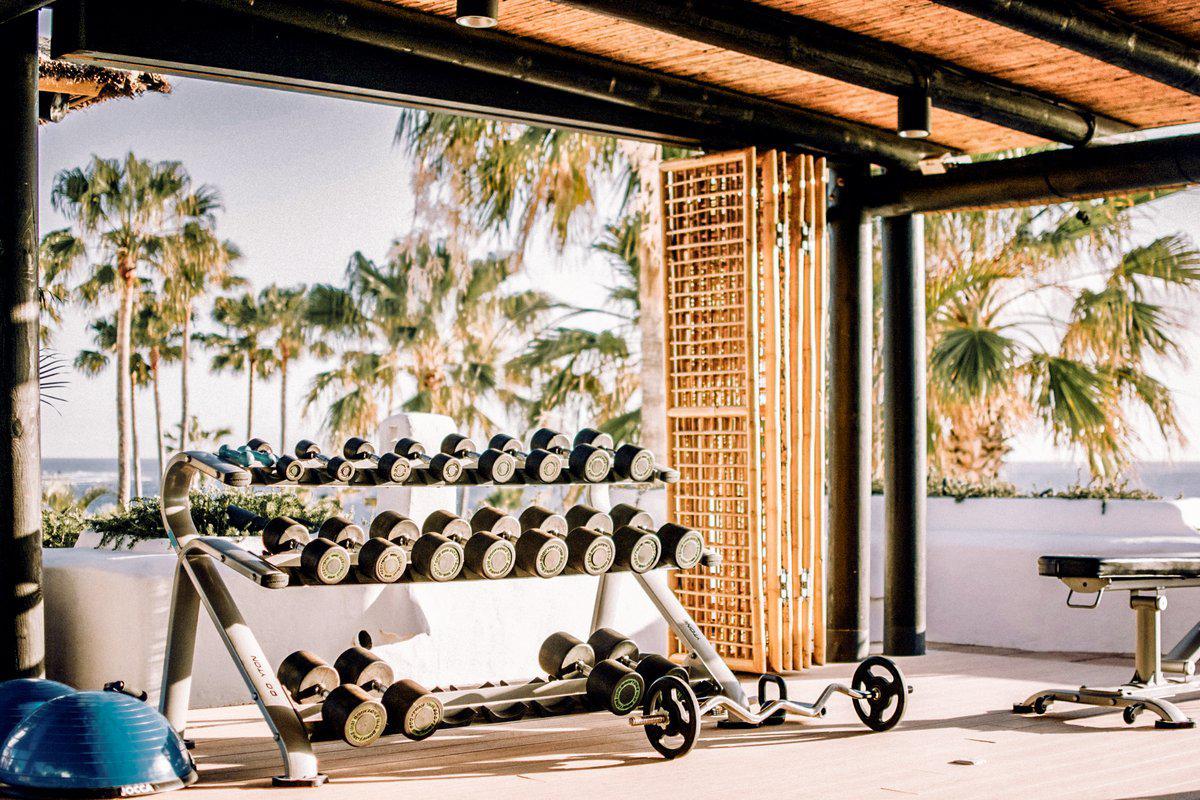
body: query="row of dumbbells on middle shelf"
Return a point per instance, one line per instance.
(551, 458)
(492, 544)
(359, 699)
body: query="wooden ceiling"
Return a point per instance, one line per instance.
(919, 25)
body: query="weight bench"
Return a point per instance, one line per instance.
(1155, 676)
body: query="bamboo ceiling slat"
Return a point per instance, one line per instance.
(917, 24)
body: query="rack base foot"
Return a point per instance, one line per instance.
(300, 783)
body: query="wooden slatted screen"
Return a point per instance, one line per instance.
(742, 395)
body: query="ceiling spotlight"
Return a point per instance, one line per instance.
(913, 114)
(477, 13)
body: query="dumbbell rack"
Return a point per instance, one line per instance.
(197, 581)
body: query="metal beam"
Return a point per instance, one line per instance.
(197, 41)
(1048, 177)
(1097, 33)
(22, 645)
(904, 443)
(848, 600)
(404, 30)
(11, 9)
(828, 50)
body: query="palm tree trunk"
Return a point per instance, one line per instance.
(124, 428)
(249, 398)
(133, 440)
(283, 367)
(185, 358)
(158, 431)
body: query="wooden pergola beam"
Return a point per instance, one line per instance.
(11, 9)
(817, 47)
(1097, 33)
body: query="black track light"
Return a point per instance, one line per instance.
(913, 114)
(477, 13)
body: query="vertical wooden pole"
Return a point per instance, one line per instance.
(22, 647)
(848, 594)
(904, 423)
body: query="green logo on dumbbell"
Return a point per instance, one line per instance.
(646, 554)
(499, 561)
(364, 727)
(423, 719)
(334, 566)
(446, 564)
(551, 557)
(627, 694)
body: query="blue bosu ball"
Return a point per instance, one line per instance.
(18, 698)
(94, 744)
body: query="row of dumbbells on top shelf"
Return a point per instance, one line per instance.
(492, 544)
(593, 457)
(359, 699)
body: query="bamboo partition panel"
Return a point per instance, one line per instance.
(743, 261)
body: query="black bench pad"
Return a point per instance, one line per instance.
(1164, 566)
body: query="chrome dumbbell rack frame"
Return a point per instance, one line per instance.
(198, 582)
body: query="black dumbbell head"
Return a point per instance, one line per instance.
(594, 437)
(541, 554)
(448, 469)
(562, 654)
(543, 519)
(590, 551)
(455, 444)
(395, 468)
(634, 463)
(357, 448)
(412, 710)
(584, 516)
(489, 556)
(637, 550)
(449, 525)
(354, 716)
(547, 439)
(615, 686)
(625, 514)
(260, 446)
(492, 520)
(291, 468)
(306, 448)
(504, 442)
(306, 675)
(682, 547)
(653, 666)
(360, 666)
(409, 448)
(590, 464)
(342, 530)
(437, 558)
(608, 643)
(394, 526)
(281, 534)
(324, 562)
(381, 561)
(542, 466)
(497, 466)
(340, 469)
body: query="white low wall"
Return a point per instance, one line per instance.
(983, 584)
(106, 612)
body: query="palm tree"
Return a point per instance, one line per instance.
(194, 261)
(242, 347)
(118, 210)
(197, 435)
(1019, 333)
(291, 339)
(445, 325)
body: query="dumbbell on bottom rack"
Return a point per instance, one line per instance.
(590, 550)
(610, 683)
(411, 709)
(346, 709)
(539, 553)
(607, 643)
(629, 461)
(681, 546)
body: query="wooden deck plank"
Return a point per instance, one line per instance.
(959, 740)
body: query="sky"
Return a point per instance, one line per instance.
(305, 182)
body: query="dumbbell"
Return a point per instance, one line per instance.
(608, 643)
(484, 553)
(590, 550)
(309, 460)
(680, 546)
(538, 466)
(346, 709)
(629, 461)
(638, 547)
(411, 709)
(379, 559)
(362, 452)
(322, 560)
(247, 456)
(539, 553)
(442, 467)
(433, 557)
(493, 465)
(585, 462)
(610, 684)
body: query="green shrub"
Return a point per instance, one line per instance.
(964, 490)
(61, 527)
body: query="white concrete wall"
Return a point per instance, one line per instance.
(106, 612)
(983, 584)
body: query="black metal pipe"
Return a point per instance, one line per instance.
(817, 47)
(849, 477)
(904, 442)
(405, 30)
(22, 645)
(1048, 177)
(1095, 32)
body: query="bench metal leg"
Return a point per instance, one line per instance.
(176, 691)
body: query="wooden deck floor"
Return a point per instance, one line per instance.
(958, 741)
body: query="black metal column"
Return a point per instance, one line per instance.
(904, 435)
(22, 648)
(849, 475)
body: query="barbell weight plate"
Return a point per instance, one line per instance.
(673, 698)
(888, 690)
